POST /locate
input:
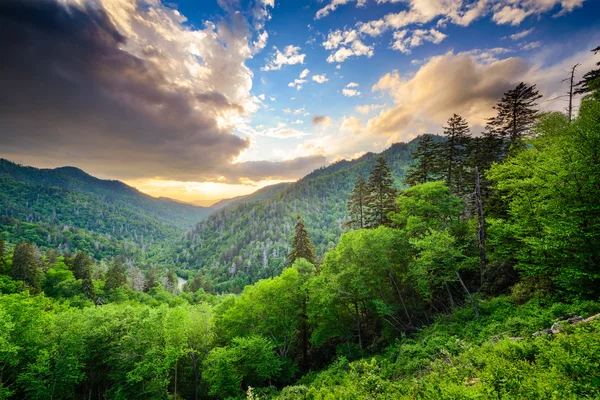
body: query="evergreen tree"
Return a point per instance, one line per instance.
(302, 246)
(195, 284)
(453, 153)
(516, 113)
(381, 197)
(591, 80)
(357, 205)
(482, 152)
(26, 266)
(82, 269)
(150, 282)
(171, 281)
(423, 170)
(115, 276)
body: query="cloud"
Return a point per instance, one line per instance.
(347, 43)
(334, 4)
(290, 56)
(404, 41)
(297, 83)
(452, 83)
(277, 170)
(519, 35)
(531, 45)
(351, 124)
(350, 92)
(367, 108)
(282, 131)
(320, 78)
(352, 85)
(304, 73)
(113, 85)
(322, 121)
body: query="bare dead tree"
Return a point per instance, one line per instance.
(571, 85)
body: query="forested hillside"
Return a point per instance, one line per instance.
(67, 209)
(245, 242)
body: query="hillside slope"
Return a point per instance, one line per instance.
(69, 209)
(260, 195)
(245, 242)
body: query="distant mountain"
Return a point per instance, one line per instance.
(69, 209)
(249, 238)
(260, 195)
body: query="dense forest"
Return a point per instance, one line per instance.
(69, 210)
(472, 274)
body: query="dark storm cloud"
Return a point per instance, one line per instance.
(71, 94)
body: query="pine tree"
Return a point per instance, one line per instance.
(151, 281)
(453, 153)
(591, 80)
(424, 169)
(26, 266)
(482, 152)
(381, 197)
(357, 205)
(115, 276)
(516, 113)
(82, 269)
(302, 246)
(171, 281)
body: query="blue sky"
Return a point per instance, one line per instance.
(211, 99)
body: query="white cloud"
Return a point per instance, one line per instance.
(519, 35)
(290, 56)
(352, 84)
(304, 73)
(404, 41)
(347, 43)
(350, 92)
(351, 124)
(297, 122)
(262, 97)
(282, 131)
(297, 83)
(367, 108)
(531, 45)
(334, 4)
(320, 78)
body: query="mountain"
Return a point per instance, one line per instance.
(249, 239)
(69, 209)
(260, 195)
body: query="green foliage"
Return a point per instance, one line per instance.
(67, 209)
(249, 361)
(239, 245)
(302, 246)
(551, 189)
(26, 265)
(380, 195)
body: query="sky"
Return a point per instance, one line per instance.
(201, 100)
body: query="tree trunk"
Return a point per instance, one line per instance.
(358, 326)
(473, 304)
(480, 228)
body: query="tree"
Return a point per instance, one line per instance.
(591, 80)
(171, 281)
(81, 267)
(453, 153)
(357, 205)
(516, 113)
(381, 197)
(302, 246)
(2, 255)
(150, 282)
(115, 276)
(425, 166)
(26, 266)
(551, 187)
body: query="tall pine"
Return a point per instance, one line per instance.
(115, 276)
(516, 113)
(82, 269)
(382, 196)
(26, 266)
(424, 168)
(454, 152)
(357, 205)
(302, 246)
(591, 80)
